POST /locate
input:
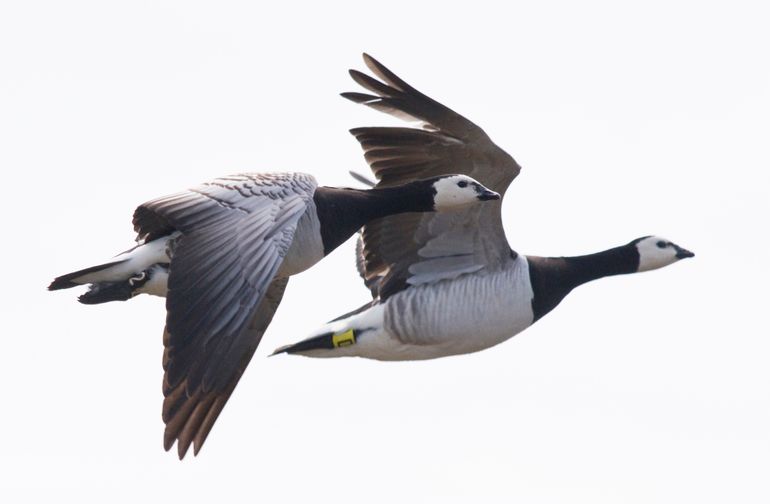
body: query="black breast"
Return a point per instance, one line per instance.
(546, 275)
(341, 212)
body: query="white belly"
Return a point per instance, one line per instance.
(451, 317)
(467, 314)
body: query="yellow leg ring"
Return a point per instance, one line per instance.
(344, 339)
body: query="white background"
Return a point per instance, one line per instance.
(650, 118)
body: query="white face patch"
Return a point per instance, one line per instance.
(457, 191)
(656, 252)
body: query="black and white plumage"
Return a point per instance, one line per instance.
(450, 284)
(222, 253)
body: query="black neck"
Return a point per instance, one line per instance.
(615, 261)
(342, 212)
(554, 277)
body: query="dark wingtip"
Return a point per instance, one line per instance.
(168, 441)
(349, 96)
(358, 97)
(369, 59)
(182, 445)
(386, 74)
(61, 283)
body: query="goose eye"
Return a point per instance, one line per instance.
(462, 183)
(661, 244)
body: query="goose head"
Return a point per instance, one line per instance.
(453, 191)
(656, 252)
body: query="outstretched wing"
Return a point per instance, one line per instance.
(189, 417)
(410, 249)
(235, 233)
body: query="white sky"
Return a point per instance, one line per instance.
(627, 121)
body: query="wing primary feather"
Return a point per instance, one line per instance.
(177, 420)
(211, 417)
(174, 398)
(371, 84)
(190, 429)
(358, 97)
(190, 415)
(383, 73)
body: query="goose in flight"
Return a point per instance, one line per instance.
(222, 253)
(447, 284)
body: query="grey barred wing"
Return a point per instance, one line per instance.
(235, 233)
(189, 415)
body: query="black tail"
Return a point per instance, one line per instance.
(326, 341)
(105, 292)
(66, 281)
